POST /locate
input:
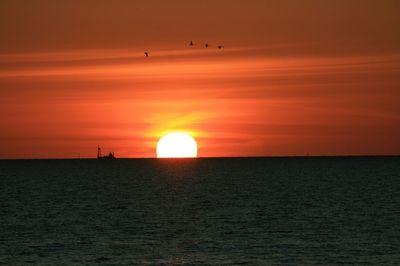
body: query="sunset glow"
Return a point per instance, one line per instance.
(281, 85)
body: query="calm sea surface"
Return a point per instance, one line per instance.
(251, 211)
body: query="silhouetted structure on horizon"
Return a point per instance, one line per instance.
(109, 156)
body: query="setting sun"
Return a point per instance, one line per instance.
(176, 145)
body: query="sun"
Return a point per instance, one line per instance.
(177, 145)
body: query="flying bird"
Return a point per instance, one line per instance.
(146, 54)
(220, 47)
(206, 45)
(191, 43)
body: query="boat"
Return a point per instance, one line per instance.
(110, 155)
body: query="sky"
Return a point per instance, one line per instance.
(294, 78)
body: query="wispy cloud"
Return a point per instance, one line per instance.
(235, 101)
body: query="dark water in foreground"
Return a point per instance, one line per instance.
(254, 211)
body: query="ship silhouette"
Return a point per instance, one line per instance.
(110, 155)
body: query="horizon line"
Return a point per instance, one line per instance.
(208, 157)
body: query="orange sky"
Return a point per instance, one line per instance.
(317, 77)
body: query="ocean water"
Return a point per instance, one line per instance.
(232, 211)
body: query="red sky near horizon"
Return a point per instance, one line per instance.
(293, 78)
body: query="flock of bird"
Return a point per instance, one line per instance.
(191, 44)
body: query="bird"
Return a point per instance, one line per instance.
(191, 43)
(146, 54)
(206, 45)
(220, 46)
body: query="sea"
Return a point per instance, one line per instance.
(203, 211)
